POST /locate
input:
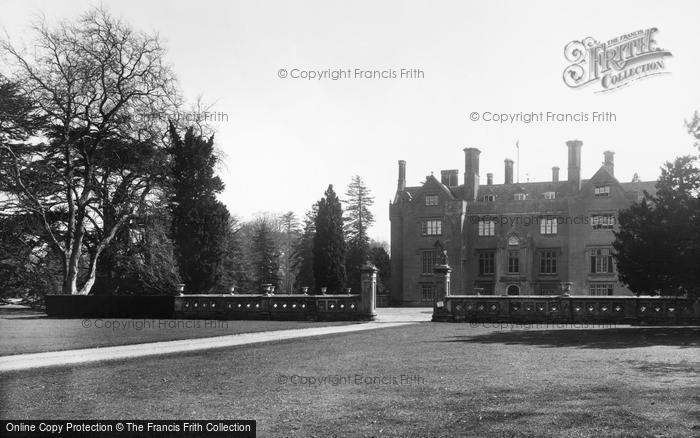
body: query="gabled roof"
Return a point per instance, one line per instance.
(432, 183)
(602, 176)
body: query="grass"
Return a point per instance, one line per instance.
(33, 332)
(473, 381)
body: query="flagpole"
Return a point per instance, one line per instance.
(517, 146)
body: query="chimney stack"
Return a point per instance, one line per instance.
(509, 171)
(555, 174)
(450, 177)
(574, 163)
(609, 161)
(402, 176)
(471, 173)
(489, 179)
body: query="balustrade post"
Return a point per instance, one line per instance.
(368, 295)
(442, 281)
(180, 288)
(442, 290)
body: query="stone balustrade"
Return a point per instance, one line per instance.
(276, 307)
(563, 308)
(324, 307)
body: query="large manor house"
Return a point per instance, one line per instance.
(515, 238)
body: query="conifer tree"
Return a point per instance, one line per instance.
(357, 221)
(657, 246)
(329, 244)
(304, 251)
(264, 251)
(200, 222)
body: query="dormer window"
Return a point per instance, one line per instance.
(550, 195)
(432, 199)
(489, 198)
(601, 191)
(520, 196)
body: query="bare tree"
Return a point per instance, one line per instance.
(106, 93)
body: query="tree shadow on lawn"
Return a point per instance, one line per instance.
(684, 337)
(532, 411)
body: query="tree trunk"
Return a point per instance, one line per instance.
(98, 252)
(70, 277)
(91, 277)
(105, 283)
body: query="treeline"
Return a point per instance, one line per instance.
(292, 254)
(96, 198)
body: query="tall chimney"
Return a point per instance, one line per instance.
(450, 177)
(555, 174)
(402, 176)
(509, 170)
(609, 161)
(471, 173)
(489, 179)
(574, 163)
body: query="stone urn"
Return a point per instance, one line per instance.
(566, 288)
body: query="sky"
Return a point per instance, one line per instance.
(285, 139)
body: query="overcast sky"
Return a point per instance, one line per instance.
(286, 139)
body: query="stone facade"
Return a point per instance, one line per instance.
(517, 238)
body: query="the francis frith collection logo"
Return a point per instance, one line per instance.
(616, 62)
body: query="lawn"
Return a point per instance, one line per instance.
(33, 332)
(460, 381)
